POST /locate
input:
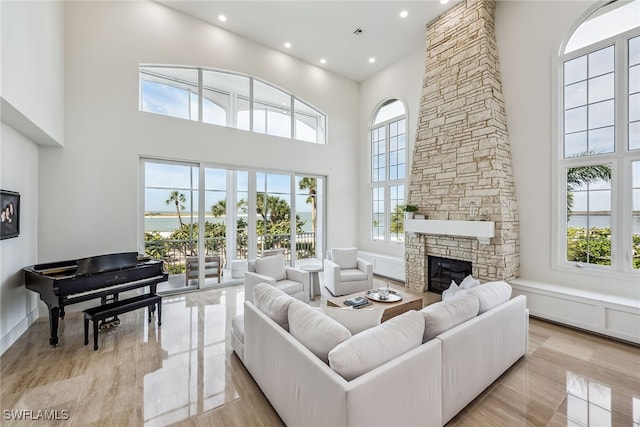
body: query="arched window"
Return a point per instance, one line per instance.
(598, 155)
(388, 171)
(227, 100)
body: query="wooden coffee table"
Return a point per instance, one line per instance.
(391, 309)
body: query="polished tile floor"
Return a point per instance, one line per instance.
(184, 373)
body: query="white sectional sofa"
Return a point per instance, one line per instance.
(381, 376)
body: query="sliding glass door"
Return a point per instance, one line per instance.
(193, 213)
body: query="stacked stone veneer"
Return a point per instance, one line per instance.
(462, 154)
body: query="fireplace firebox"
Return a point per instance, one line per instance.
(443, 270)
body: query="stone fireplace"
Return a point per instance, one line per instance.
(461, 171)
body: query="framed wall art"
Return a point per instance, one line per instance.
(10, 214)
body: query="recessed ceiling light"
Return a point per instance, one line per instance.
(372, 60)
(444, 1)
(404, 14)
(323, 61)
(222, 18)
(287, 45)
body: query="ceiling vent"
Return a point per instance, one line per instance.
(358, 32)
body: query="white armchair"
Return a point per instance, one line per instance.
(345, 273)
(272, 270)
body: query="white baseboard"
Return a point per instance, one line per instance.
(592, 311)
(12, 336)
(385, 265)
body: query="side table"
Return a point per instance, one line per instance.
(314, 279)
(238, 267)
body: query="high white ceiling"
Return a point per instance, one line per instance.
(325, 29)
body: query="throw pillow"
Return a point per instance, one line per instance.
(376, 346)
(491, 294)
(272, 266)
(273, 302)
(442, 316)
(469, 282)
(315, 330)
(355, 320)
(345, 258)
(453, 291)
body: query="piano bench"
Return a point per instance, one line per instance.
(106, 311)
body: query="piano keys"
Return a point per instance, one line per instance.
(68, 282)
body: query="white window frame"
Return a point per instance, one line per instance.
(621, 216)
(386, 183)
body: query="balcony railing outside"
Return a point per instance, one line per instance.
(174, 251)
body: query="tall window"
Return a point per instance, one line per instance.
(229, 99)
(599, 149)
(388, 164)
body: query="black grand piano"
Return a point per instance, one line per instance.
(104, 276)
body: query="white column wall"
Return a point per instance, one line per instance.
(89, 190)
(19, 172)
(31, 88)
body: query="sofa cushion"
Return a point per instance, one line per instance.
(290, 286)
(442, 316)
(315, 330)
(491, 294)
(374, 347)
(345, 258)
(237, 324)
(272, 266)
(352, 274)
(273, 302)
(355, 320)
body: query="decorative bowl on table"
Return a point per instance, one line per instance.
(377, 295)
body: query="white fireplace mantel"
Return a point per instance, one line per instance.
(481, 230)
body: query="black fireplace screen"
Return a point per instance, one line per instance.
(443, 270)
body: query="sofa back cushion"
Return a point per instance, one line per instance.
(345, 258)
(355, 320)
(315, 330)
(491, 294)
(442, 316)
(376, 346)
(273, 302)
(272, 266)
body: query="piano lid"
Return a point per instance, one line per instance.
(103, 263)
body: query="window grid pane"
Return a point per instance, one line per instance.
(635, 214)
(378, 213)
(397, 154)
(396, 201)
(589, 214)
(589, 97)
(634, 94)
(378, 148)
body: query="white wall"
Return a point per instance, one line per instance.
(32, 86)
(401, 81)
(19, 172)
(33, 62)
(526, 54)
(89, 191)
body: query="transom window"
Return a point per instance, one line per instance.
(231, 100)
(599, 149)
(388, 163)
